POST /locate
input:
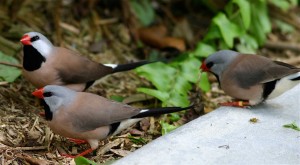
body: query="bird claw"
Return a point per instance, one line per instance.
(81, 154)
(240, 104)
(77, 141)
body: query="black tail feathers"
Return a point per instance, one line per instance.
(129, 66)
(159, 111)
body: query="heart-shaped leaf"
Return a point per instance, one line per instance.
(8, 73)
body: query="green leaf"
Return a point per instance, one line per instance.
(204, 83)
(166, 128)
(143, 10)
(159, 74)
(284, 27)
(178, 99)
(260, 23)
(181, 84)
(117, 98)
(161, 95)
(190, 69)
(136, 140)
(172, 82)
(213, 33)
(8, 73)
(203, 50)
(244, 8)
(83, 161)
(228, 29)
(292, 126)
(248, 44)
(174, 117)
(284, 4)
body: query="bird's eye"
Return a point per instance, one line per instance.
(209, 65)
(47, 94)
(34, 38)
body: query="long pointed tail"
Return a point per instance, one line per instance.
(129, 66)
(159, 111)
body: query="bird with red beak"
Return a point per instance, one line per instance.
(45, 64)
(250, 78)
(89, 117)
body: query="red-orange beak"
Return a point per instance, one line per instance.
(39, 93)
(204, 67)
(25, 40)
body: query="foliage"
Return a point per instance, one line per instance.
(136, 140)
(117, 98)
(166, 127)
(83, 161)
(284, 4)
(241, 21)
(243, 25)
(284, 27)
(8, 73)
(292, 126)
(172, 81)
(143, 10)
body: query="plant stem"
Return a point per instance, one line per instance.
(10, 64)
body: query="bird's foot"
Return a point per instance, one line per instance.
(77, 141)
(81, 154)
(241, 104)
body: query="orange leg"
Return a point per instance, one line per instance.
(81, 154)
(236, 104)
(77, 141)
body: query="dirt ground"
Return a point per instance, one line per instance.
(24, 135)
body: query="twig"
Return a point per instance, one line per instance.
(69, 27)
(107, 21)
(283, 45)
(3, 83)
(10, 64)
(31, 148)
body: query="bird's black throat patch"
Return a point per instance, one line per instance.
(48, 113)
(268, 88)
(32, 59)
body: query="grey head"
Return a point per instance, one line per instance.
(57, 96)
(218, 61)
(41, 43)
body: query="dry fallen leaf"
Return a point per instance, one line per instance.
(156, 36)
(108, 146)
(31, 160)
(120, 152)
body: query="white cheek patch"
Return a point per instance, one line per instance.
(111, 65)
(44, 48)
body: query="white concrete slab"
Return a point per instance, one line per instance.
(225, 136)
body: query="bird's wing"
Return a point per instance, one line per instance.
(90, 111)
(249, 70)
(73, 68)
